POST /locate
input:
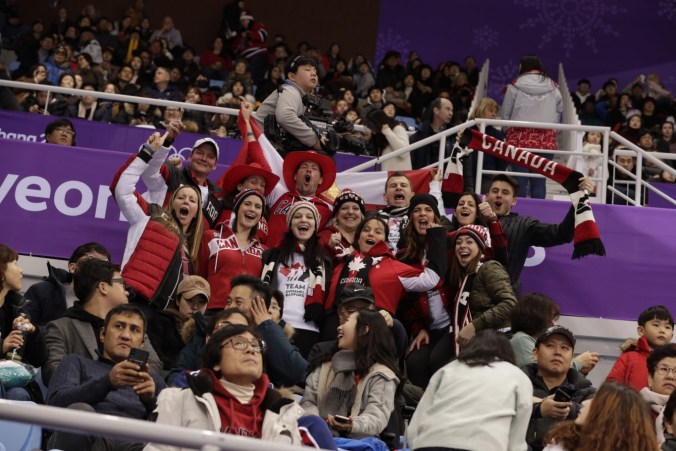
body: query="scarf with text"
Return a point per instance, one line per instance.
(461, 316)
(355, 271)
(587, 239)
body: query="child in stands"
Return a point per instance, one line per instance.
(655, 328)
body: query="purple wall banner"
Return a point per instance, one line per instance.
(49, 208)
(127, 139)
(595, 39)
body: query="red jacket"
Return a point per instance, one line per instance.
(324, 236)
(261, 234)
(390, 279)
(277, 221)
(222, 259)
(631, 368)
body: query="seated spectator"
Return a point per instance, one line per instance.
(669, 424)
(51, 298)
(90, 45)
(163, 89)
(650, 117)
(485, 288)
(196, 333)
(177, 80)
(215, 62)
(169, 32)
(666, 143)
(582, 93)
(661, 383)
(616, 418)
(60, 131)
(141, 114)
(481, 398)
(655, 329)
(57, 64)
(388, 136)
(631, 131)
(589, 164)
(164, 331)
(88, 107)
(38, 75)
(357, 379)
(390, 72)
(19, 336)
(143, 76)
(231, 394)
(530, 316)
(240, 72)
(299, 269)
(272, 80)
(108, 68)
(111, 384)
(364, 79)
(413, 104)
(624, 183)
(36, 102)
(99, 287)
(124, 81)
(588, 114)
(231, 99)
(186, 63)
(192, 118)
(374, 101)
(550, 374)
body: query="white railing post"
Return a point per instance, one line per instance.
(604, 166)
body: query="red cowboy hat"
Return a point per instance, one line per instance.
(237, 173)
(294, 159)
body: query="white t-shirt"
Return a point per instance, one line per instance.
(292, 281)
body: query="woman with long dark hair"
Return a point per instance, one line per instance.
(154, 271)
(349, 209)
(533, 96)
(616, 418)
(357, 380)
(481, 398)
(299, 268)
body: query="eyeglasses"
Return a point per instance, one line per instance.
(65, 131)
(665, 370)
(242, 344)
(118, 280)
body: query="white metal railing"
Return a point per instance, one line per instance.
(569, 138)
(132, 430)
(441, 137)
(135, 100)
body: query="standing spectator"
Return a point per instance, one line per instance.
(534, 97)
(169, 32)
(487, 109)
(349, 210)
(250, 45)
(389, 136)
(301, 271)
(26, 47)
(441, 113)
(481, 398)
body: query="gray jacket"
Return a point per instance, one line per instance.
(287, 107)
(66, 336)
(532, 97)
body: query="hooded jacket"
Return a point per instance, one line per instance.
(631, 368)
(532, 97)
(390, 279)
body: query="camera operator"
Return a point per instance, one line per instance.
(288, 103)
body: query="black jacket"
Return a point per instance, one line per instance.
(34, 352)
(522, 232)
(581, 389)
(47, 299)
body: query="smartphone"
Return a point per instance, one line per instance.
(139, 357)
(562, 395)
(341, 419)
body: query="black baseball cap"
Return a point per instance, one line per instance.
(556, 330)
(355, 293)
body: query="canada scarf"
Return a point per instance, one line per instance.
(314, 299)
(355, 271)
(587, 239)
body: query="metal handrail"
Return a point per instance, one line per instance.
(128, 429)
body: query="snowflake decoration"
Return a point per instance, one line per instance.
(667, 8)
(500, 76)
(485, 37)
(570, 21)
(357, 264)
(390, 40)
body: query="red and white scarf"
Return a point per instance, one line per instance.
(587, 239)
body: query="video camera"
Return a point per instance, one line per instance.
(339, 135)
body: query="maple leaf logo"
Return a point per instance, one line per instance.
(356, 265)
(285, 271)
